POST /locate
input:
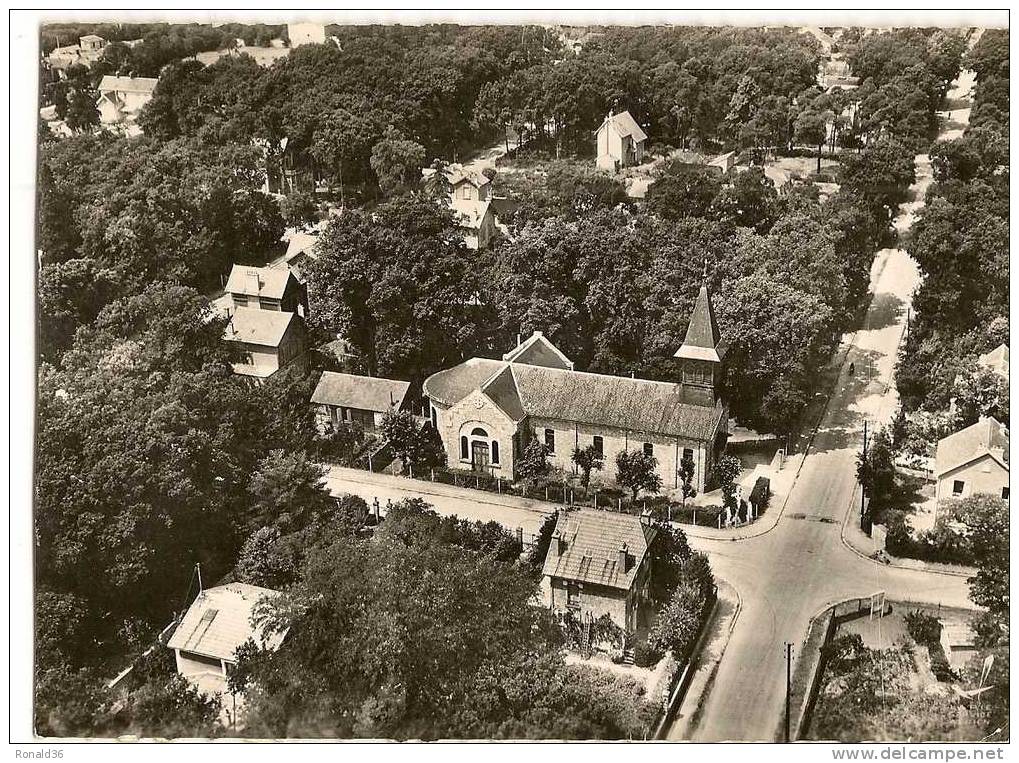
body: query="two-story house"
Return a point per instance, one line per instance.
(598, 563)
(620, 142)
(973, 461)
(121, 98)
(267, 289)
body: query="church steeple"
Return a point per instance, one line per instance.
(700, 357)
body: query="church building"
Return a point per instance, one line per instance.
(487, 411)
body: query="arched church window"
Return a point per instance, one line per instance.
(463, 447)
(479, 432)
(495, 451)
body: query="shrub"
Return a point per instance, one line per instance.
(677, 625)
(645, 655)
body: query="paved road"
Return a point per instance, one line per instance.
(794, 571)
(790, 573)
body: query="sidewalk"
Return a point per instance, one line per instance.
(860, 544)
(688, 713)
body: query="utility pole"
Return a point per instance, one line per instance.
(198, 570)
(863, 487)
(788, 685)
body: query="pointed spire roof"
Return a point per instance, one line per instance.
(703, 338)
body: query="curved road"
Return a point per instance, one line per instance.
(789, 574)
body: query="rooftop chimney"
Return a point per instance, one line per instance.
(554, 547)
(622, 557)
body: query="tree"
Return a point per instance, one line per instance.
(288, 490)
(636, 471)
(299, 210)
(811, 128)
(726, 471)
(875, 470)
(986, 518)
(396, 283)
(749, 200)
(687, 468)
(675, 628)
(397, 162)
(400, 430)
(682, 192)
(82, 115)
(587, 459)
(534, 461)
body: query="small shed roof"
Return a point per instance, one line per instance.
(219, 621)
(365, 393)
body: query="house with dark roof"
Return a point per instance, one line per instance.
(267, 341)
(973, 461)
(487, 411)
(620, 142)
(349, 398)
(218, 621)
(598, 563)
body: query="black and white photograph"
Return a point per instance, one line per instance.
(475, 376)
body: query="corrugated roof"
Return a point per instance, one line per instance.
(592, 541)
(112, 84)
(258, 282)
(254, 326)
(538, 351)
(366, 393)
(987, 436)
(219, 621)
(625, 125)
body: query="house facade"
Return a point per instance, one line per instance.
(274, 289)
(206, 639)
(598, 563)
(487, 411)
(349, 398)
(973, 461)
(121, 98)
(620, 142)
(266, 340)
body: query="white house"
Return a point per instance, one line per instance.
(973, 461)
(620, 142)
(205, 641)
(121, 98)
(267, 340)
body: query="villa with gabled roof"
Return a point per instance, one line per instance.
(598, 563)
(487, 411)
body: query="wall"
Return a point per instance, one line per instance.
(476, 410)
(594, 599)
(984, 476)
(570, 435)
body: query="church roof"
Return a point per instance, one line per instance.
(538, 351)
(703, 338)
(521, 389)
